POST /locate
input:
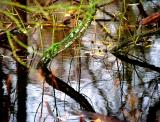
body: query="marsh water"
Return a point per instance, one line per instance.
(112, 87)
(99, 83)
(96, 73)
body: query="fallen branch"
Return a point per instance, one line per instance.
(136, 62)
(60, 85)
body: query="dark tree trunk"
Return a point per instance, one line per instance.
(22, 74)
(151, 117)
(22, 71)
(1, 91)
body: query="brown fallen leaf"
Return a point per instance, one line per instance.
(153, 18)
(96, 117)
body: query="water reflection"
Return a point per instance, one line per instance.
(103, 81)
(111, 86)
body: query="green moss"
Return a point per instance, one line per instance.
(56, 48)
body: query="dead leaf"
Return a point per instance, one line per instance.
(153, 18)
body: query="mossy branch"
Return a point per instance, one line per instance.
(77, 32)
(56, 48)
